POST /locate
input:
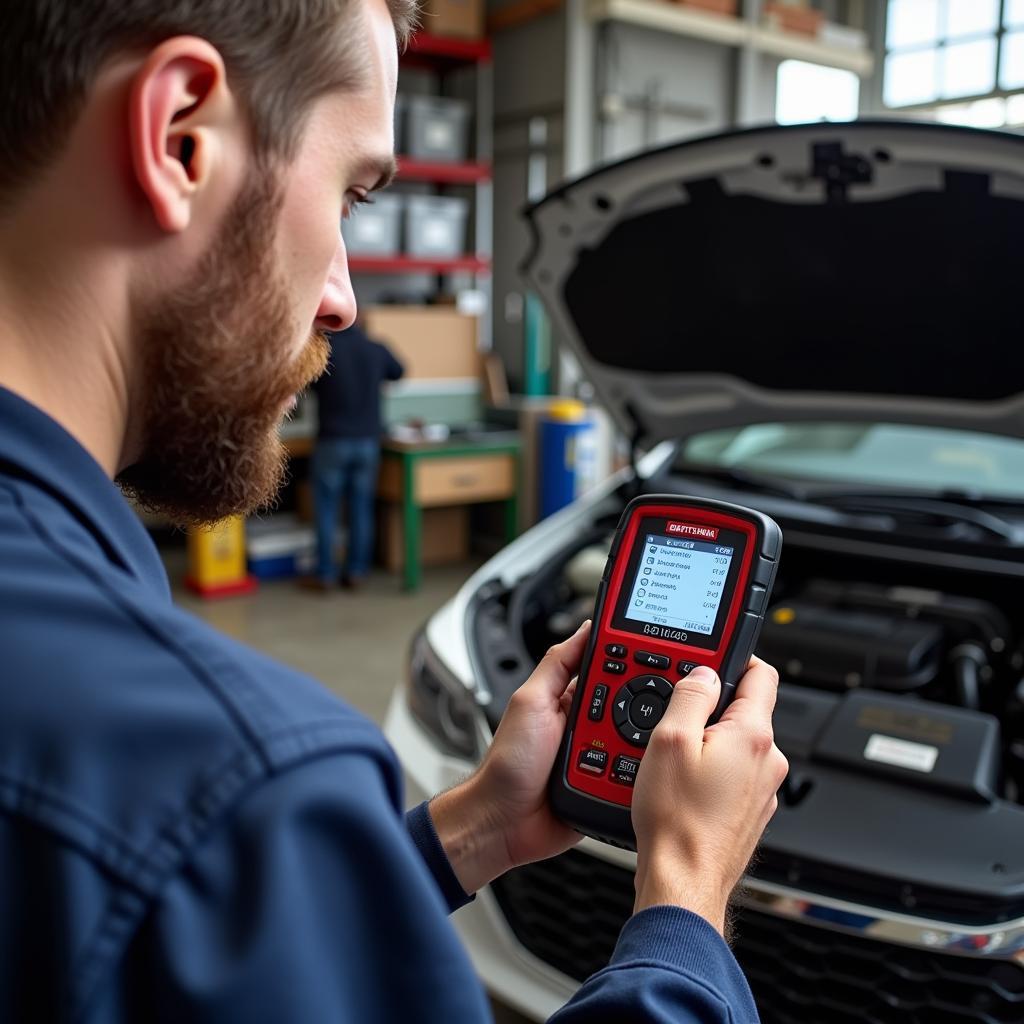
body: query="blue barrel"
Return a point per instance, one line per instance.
(567, 455)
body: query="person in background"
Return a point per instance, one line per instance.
(347, 452)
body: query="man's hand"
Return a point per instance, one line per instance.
(704, 795)
(500, 817)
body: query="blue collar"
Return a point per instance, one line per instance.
(36, 449)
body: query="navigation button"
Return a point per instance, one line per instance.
(615, 650)
(652, 660)
(620, 708)
(646, 711)
(684, 668)
(650, 684)
(624, 770)
(635, 736)
(597, 701)
(615, 668)
(593, 761)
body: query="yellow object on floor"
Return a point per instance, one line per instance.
(216, 560)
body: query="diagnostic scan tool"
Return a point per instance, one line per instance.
(686, 583)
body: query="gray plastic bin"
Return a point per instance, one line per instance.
(434, 128)
(435, 226)
(374, 229)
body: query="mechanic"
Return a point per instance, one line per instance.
(189, 831)
(347, 452)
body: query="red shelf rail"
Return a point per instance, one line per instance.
(447, 48)
(415, 265)
(442, 173)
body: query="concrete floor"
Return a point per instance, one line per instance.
(356, 644)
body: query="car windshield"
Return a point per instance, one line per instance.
(884, 454)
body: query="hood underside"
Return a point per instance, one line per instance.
(864, 272)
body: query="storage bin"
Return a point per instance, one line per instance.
(374, 229)
(434, 128)
(793, 17)
(435, 226)
(728, 7)
(280, 547)
(460, 18)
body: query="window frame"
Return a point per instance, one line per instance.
(940, 46)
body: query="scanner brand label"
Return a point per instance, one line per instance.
(690, 530)
(665, 633)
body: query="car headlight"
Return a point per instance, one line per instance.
(439, 701)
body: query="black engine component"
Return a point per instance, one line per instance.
(841, 649)
(915, 742)
(964, 618)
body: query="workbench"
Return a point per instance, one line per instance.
(419, 475)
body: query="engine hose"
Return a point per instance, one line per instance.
(968, 659)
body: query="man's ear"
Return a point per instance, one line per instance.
(180, 113)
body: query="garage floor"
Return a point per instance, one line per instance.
(355, 644)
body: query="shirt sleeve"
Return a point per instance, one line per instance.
(669, 967)
(424, 836)
(309, 904)
(393, 369)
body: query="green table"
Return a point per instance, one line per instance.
(420, 475)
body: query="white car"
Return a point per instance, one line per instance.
(824, 323)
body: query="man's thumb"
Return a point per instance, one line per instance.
(693, 700)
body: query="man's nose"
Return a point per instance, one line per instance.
(337, 309)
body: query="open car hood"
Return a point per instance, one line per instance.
(866, 271)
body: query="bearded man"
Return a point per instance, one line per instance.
(189, 831)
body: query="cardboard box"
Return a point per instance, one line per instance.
(794, 18)
(462, 18)
(445, 536)
(729, 7)
(431, 342)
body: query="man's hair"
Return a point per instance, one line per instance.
(280, 56)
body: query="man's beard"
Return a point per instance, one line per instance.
(217, 374)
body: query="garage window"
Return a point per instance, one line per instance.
(809, 92)
(971, 51)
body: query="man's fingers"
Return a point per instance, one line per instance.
(566, 698)
(693, 700)
(559, 665)
(755, 696)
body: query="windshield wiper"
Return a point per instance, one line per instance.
(924, 511)
(950, 511)
(745, 478)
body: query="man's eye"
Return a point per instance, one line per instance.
(353, 200)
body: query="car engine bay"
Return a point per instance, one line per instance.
(901, 705)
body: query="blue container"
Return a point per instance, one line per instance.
(567, 456)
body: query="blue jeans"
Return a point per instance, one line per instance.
(345, 467)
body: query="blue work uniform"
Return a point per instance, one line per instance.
(192, 832)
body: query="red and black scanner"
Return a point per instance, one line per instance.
(686, 583)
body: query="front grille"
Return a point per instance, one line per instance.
(885, 893)
(568, 911)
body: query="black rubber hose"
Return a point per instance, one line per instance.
(968, 660)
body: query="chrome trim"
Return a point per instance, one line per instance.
(1004, 941)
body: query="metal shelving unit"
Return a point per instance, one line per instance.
(441, 55)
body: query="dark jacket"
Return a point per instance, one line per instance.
(348, 394)
(192, 832)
